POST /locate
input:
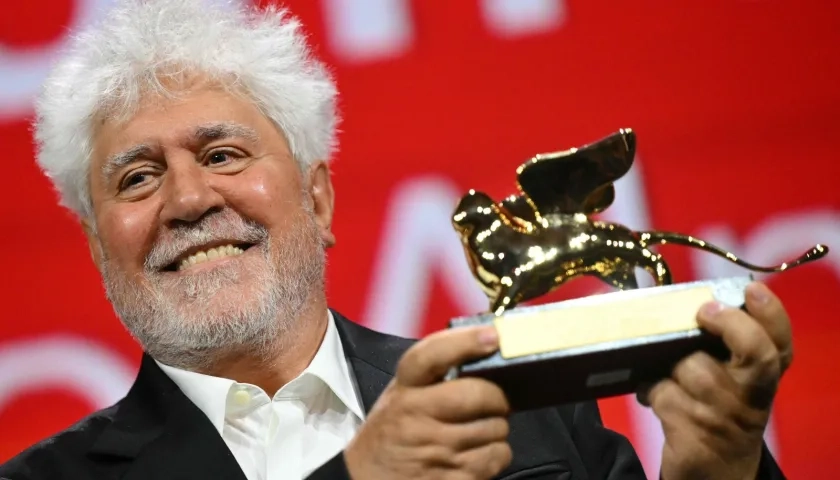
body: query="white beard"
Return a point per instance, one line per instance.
(192, 321)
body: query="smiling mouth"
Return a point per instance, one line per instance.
(207, 254)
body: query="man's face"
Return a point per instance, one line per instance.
(208, 235)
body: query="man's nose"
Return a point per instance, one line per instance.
(189, 194)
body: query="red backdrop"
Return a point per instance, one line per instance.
(735, 105)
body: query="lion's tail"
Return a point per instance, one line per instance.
(815, 253)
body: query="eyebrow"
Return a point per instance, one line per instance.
(119, 160)
(217, 131)
(201, 134)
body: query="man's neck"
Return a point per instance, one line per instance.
(287, 359)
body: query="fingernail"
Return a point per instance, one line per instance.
(711, 309)
(489, 336)
(758, 293)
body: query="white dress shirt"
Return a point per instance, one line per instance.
(289, 435)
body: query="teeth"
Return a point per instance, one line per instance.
(212, 254)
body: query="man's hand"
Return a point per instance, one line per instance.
(713, 414)
(423, 428)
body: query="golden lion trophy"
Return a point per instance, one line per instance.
(593, 347)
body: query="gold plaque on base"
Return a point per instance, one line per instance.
(593, 347)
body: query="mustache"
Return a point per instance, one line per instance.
(221, 226)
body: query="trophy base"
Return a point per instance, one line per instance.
(598, 346)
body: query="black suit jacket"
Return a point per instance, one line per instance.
(156, 432)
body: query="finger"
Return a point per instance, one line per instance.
(706, 380)
(748, 341)
(461, 400)
(643, 394)
(428, 360)
(677, 410)
(450, 438)
(485, 461)
(664, 398)
(769, 312)
(755, 363)
(474, 434)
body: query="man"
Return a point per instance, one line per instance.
(192, 142)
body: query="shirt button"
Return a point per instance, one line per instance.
(241, 398)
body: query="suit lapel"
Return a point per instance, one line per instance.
(373, 357)
(157, 432)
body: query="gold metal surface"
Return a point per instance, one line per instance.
(529, 244)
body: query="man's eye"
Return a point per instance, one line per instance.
(134, 180)
(219, 157)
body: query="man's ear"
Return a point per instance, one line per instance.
(323, 200)
(94, 247)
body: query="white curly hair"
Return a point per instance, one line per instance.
(144, 46)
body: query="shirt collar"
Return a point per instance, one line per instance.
(329, 364)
